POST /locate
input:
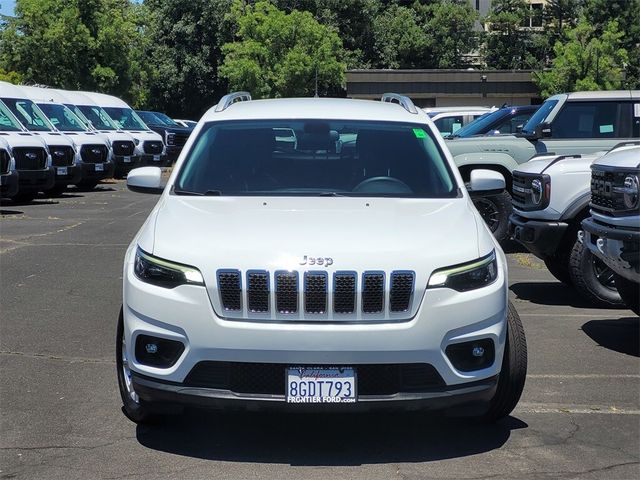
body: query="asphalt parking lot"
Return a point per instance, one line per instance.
(60, 285)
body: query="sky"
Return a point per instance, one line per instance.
(7, 6)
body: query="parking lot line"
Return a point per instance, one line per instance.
(524, 407)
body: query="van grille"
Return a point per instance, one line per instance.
(62, 155)
(152, 147)
(4, 161)
(123, 148)
(30, 158)
(94, 153)
(315, 293)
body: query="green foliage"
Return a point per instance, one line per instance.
(400, 39)
(508, 44)
(587, 61)
(73, 44)
(11, 77)
(278, 54)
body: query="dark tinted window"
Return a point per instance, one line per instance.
(313, 157)
(589, 120)
(511, 124)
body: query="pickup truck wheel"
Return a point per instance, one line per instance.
(559, 269)
(513, 372)
(495, 211)
(630, 293)
(132, 405)
(592, 278)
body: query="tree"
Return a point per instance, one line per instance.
(587, 61)
(281, 54)
(450, 24)
(73, 44)
(184, 42)
(400, 39)
(508, 43)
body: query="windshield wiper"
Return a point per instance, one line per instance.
(330, 194)
(208, 193)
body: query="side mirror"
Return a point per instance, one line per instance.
(543, 130)
(145, 180)
(486, 181)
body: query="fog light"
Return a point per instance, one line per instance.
(469, 356)
(157, 352)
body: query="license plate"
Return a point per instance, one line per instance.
(99, 167)
(127, 159)
(61, 170)
(321, 385)
(156, 158)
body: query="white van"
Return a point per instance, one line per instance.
(94, 150)
(62, 150)
(149, 144)
(123, 144)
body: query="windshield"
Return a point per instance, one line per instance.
(125, 118)
(316, 158)
(481, 125)
(150, 118)
(540, 116)
(62, 118)
(98, 117)
(29, 114)
(166, 119)
(8, 122)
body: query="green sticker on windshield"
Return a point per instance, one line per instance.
(419, 133)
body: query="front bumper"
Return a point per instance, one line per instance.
(69, 175)
(9, 184)
(124, 164)
(619, 248)
(540, 237)
(173, 152)
(466, 399)
(154, 160)
(185, 314)
(32, 181)
(91, 171)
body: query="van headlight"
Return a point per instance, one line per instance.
(163, 273)
(467, 276)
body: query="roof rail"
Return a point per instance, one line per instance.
(231, 98)
(403, 100)
(628, 143)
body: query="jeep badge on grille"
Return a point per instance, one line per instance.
(326, 261)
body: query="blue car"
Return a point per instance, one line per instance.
(506, 120)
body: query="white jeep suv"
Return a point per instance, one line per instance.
(346, 270)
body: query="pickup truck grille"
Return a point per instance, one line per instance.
(152, 147)
(123, 148)
(94, 153)
(62, 155)
(4, 162)
(605, 195)
(30, 158)
(315, 293)
(177, 139)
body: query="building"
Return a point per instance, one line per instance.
(436, 88)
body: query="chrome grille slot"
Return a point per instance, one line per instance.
(258, 291)
(286, 292)
(229, 285)
(344, 292)
(372, 292)
(315, 292)
(401, 291)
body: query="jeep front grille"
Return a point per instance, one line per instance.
(315, 294)
(62, 155)
(4, 161)
(94, 153)
(152, 147)
(30, 158)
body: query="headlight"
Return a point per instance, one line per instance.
(467, 276)
(170, 138)
(136, 141)
(631, 191)
(163, 273)
(537, 191)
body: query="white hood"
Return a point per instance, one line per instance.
(22, 139)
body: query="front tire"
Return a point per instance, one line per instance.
(559, 269)
(132, 405)
(514, 370)
(592, 278)
(495, 211)
(629, 292)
